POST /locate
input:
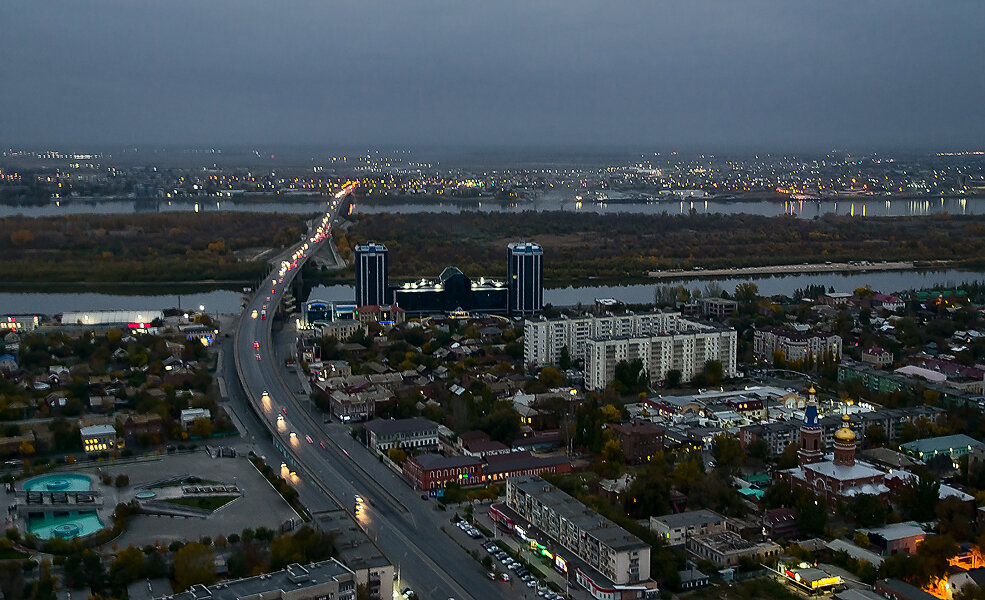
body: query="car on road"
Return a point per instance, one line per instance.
(308, 439)
(491, 575)
(256, 345)
(263, 314)
(258, 357)
(408, 593)
(268, 298)
(506, 577)
(294, 436)
(253, 314)
(322, 444)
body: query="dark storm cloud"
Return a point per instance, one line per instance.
(663, 74)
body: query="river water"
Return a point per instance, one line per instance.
(229, 301)
(872, 207)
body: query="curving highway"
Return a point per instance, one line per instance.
(322, 459)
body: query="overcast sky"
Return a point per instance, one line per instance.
(694, 74)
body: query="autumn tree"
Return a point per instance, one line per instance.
(193, 563)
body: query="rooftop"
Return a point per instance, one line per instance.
(391, 426)
(689, 518)
(291, 578)
(578, 514)
(938, 444)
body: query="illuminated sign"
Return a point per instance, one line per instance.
(560, 564)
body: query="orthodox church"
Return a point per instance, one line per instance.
(839, 478)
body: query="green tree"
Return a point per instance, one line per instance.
(727, 452)
(193, 563)
(919, 497)
(673, 378)
(564, 361)
(127, 567)
(550, 377)
(397, 455)
(746, 293)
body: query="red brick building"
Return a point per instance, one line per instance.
(433, 471)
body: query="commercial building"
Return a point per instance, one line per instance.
(20, 322)
(525, 278)
(372, 274)
(607, 549)
(326, 579)
(132, 319)
(433, 471)
(678, 528)
(794, 345)
(416, 433)
(453, 291)
(98, 438)
(387, 315)
(341, 329)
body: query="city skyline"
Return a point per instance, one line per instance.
(756, 76)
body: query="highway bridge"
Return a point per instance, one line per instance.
(323, 459)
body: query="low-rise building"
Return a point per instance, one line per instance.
(416, 433)
(727, 549)
(639, 440)
(342, 329)
(953, 446)
(896, 538)
(677, 528)
(98, 438)
(877, 357)
(433, 471)
(387, 315)
(190, 415)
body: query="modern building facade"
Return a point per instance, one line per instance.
(453, 291)
(372, 274)
(525, 278)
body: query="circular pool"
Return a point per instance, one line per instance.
(145, 495)
(62, 482)
(66, 530)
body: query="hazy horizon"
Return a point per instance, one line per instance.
(696, 76)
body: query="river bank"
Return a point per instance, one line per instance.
(799, 269)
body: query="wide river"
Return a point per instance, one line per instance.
(228, 301)
(868, 207)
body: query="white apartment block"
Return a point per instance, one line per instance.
(685, 351)
(543, 338)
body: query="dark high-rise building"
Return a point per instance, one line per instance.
(525, 279)
(372, 277)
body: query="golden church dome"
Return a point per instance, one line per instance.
(845, 435)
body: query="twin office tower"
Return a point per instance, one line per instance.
(522, 294)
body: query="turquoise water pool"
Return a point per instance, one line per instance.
(74, 524)
(63, 482)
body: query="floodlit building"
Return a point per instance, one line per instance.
(98, 438)
(525, 278)
(372, 275)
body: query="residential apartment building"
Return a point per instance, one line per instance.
(686, 351)
(794, 345)
(544, 338)
(616, 554)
